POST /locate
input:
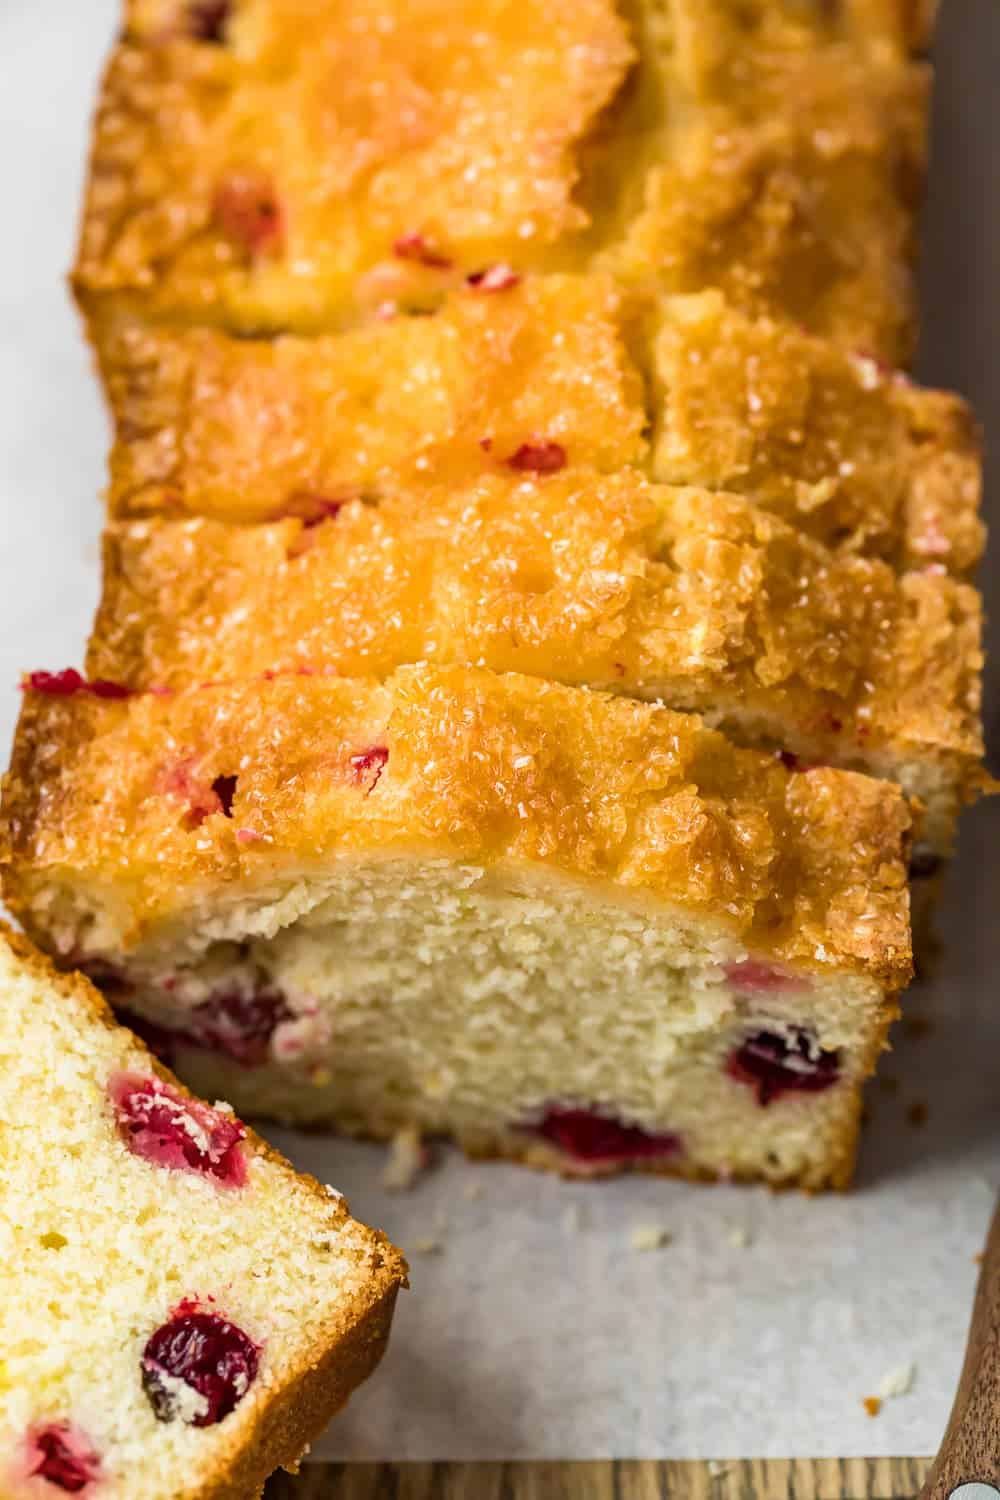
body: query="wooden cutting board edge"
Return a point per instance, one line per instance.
(612, 1479)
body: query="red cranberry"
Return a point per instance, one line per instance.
(538, 457)
(589, 1136)
(499, 278)
(773, 1064)
(208, 1354)
(247, 210)
(416, 247)
(62, 1456)
(754, 977)
(238, 1023)
(369, 765)
(206, 19)
(64, 684)
(163, 1127)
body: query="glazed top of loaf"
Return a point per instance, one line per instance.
(302, 164)
(126, 820)
(558, 370)
(696, 598)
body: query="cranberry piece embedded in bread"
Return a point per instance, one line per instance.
(159, 1124)
(368, 766)
(589, 1136)
(197, 1367)
(69, 681)
(247, 210)
(753, 977)
(775, 1063)
(498, 278)
(538, 457)
(62, 1457)
(417, 247)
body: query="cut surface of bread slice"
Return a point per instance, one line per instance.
(287, 165)
(182, 1312)
(680, 595)
(483, 904)
(548, 371)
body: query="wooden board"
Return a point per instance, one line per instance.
(619, 1479)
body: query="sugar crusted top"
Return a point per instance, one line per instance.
(460, 764)
(774, 152)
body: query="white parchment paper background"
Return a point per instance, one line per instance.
(537, 1330)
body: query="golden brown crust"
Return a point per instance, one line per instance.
(300, 1412)
(322, 1384)
(681, 595)
(794, 195)
(104, 807)
(842, 449)
(835, 443)
(242, 429)
(259, 184)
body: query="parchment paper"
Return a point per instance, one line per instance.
(536, 1329)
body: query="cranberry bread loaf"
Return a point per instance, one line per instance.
(558, 925)
(549, 371)
(695, 599)
(181, 1311)
(303, 165)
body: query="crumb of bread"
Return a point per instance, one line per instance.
(739, 1237)
(897, 1382)
(572, 1218)
(872, 1405)
(917, 1113)
(649, 1237)
(429, 1245)
(407, 1159)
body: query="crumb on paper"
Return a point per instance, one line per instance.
(717, 1469)
(739, 1236)
(472, 1190)
(572, 1219)
(872, 1405)
(408, 1157)
(649, 1237)
(979, 1257)
(429, 1245)
(897, 1382)
(917, 1113)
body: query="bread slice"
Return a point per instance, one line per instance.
(559, 925)
(182, 1312)
(301, 166)
(679, 595)
(686, 389)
